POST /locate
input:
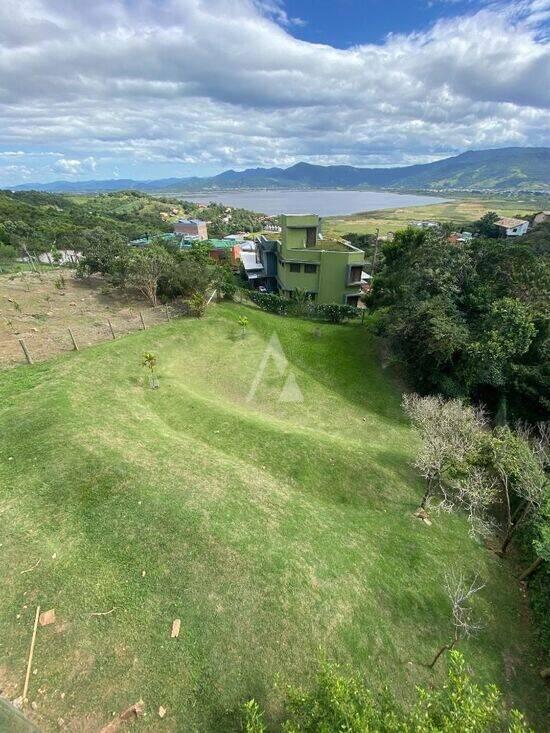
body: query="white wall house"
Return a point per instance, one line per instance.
(512, 227)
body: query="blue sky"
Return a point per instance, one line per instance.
(159, 88)
(345, 23)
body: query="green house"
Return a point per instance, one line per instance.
(329, 270)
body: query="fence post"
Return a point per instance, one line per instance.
(75, 345)
(142, 321)
(26, 351)
(112, 329)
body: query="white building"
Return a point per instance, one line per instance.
(510, 227)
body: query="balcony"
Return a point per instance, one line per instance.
(354, 275)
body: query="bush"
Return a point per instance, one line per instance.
(332, 312)
(335, 313)
(270, 302)
(344, 703)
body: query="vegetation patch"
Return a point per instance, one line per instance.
(276, 531)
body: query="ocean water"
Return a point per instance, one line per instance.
(324, 203)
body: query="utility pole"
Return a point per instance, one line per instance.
(374, 254)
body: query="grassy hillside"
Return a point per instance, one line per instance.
(45, 219)
(276, 531)
(460, 211)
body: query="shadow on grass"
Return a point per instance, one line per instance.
(343, 358)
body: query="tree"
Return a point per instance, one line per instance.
(225, 282)
(344, 702)
(450, 434)
(460, 594)
(150, 362)
(469, 321)
(243, 323)
(106, 253)
(485, 226)
(508, 456)
(531, 486)
(188, 275)
(505, 333)
(7, 253)
(146, 268)
(198, 304)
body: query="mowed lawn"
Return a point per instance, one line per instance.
(278, 532)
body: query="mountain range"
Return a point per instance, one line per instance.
(502, 169)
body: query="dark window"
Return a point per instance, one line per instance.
(311, 236)
(310, 268)
(355, 273)
(295, 267)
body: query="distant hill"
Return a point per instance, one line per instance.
(503, 169)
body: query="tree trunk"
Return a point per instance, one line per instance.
(444, 648)
(427, 493)
(507, 503)
(531, 569)
(519, 510)
(506, 541)
(511, 531)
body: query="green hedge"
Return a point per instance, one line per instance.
(332, 312)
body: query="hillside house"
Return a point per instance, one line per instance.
(510, 227)
(194, 227)
(225, 251)
(329, 270)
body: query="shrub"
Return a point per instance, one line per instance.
(335, 313)
(332, 312)
(344, 703)
(198, 304)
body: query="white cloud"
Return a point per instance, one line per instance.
(217, 83)
(74, 167)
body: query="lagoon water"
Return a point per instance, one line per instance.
(322, 202)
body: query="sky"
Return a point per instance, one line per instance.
(148, 89)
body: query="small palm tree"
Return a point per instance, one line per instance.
(150, 362)
(243, 323)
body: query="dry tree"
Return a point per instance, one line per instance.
(465, 625)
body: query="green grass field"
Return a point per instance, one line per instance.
(278, 532)
(460, 211)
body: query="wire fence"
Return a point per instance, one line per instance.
(36, 345)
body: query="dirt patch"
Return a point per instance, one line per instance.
(41, 309)
(8, 684)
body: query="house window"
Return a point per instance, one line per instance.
(311, 236)
(310, 268)
(295, 267)
(355, 273)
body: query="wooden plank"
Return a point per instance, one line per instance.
(31, 652)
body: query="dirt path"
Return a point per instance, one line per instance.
(39, 311)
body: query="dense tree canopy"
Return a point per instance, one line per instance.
(469, 319)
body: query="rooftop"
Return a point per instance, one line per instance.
(221, 243)
(190, 221)
(330, 245)
(509, 222)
